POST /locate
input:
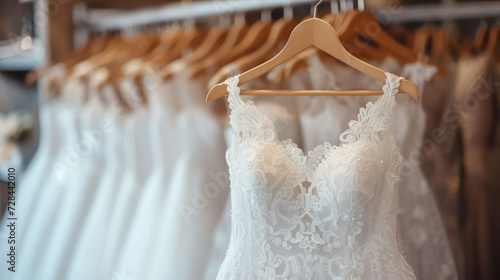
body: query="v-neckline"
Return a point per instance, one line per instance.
(327, 148)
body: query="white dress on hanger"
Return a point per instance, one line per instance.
(330, 214)
(421, 230)
(142, 239)
(85, 260)
(39, 224)
(80, 193)
(137, 168)
(48, 147)
(29, 185)
(197, 190)
(284, 114)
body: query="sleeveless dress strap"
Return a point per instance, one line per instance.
(234, 98)
(244, 117)
(375, 116)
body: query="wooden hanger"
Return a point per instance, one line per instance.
(190, 39)
(401, 34)
(135, 68)
(280, 31)
(479, 40)
(214, 39)
(423, 37)
(116, 47)
(444, 46)
(168, 38)
(301, 63)
(145, 44)
(358, 23)
(318, 33)
(91, 47)
(235, 34)
(492, 47)
(256, 37)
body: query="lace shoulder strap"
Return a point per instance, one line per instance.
(234, 98)
(244, 117)
(375, 116)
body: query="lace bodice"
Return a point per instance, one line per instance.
(330, 214)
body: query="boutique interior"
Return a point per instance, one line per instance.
(249, 139)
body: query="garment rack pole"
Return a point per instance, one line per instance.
(440, 12)
(205, 9)
(183, 11)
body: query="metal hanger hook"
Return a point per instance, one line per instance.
(334, 6)
(316, 8)
(361, 5)
(288, 11)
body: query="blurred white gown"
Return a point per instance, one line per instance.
(142, 239)
(196, 193)
(81, 188)
(47, 205)
(135, 172)
(88, 248)
(30, 183)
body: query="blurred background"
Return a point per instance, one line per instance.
(42, 43)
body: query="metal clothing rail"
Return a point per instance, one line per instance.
(205, 9)
(432, 12)
(182, 11)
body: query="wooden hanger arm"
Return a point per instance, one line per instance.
(236, 34)
(493, 41)
(365, 23)
(220, 91)
(318, 33)
(279, 33)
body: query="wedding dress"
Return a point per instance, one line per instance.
(330, 214)
(284, 114)
(81, 191)
(30, 184)
(85, 261)
(55, 187)
(420, 228)
(135, 172)
(197, 190)
(143, 236)
(48, 147)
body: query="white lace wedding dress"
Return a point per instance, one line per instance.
(420, 228)
(330, 214)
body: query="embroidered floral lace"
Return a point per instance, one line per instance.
(330, 214)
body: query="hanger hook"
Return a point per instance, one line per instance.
(343, 5)
(316, 8)
(334, 6)
(288, 11)
(361, 5)
(266, 15)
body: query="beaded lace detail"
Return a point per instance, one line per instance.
(330, 214)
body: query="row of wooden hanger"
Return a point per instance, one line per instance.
(226, 51)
